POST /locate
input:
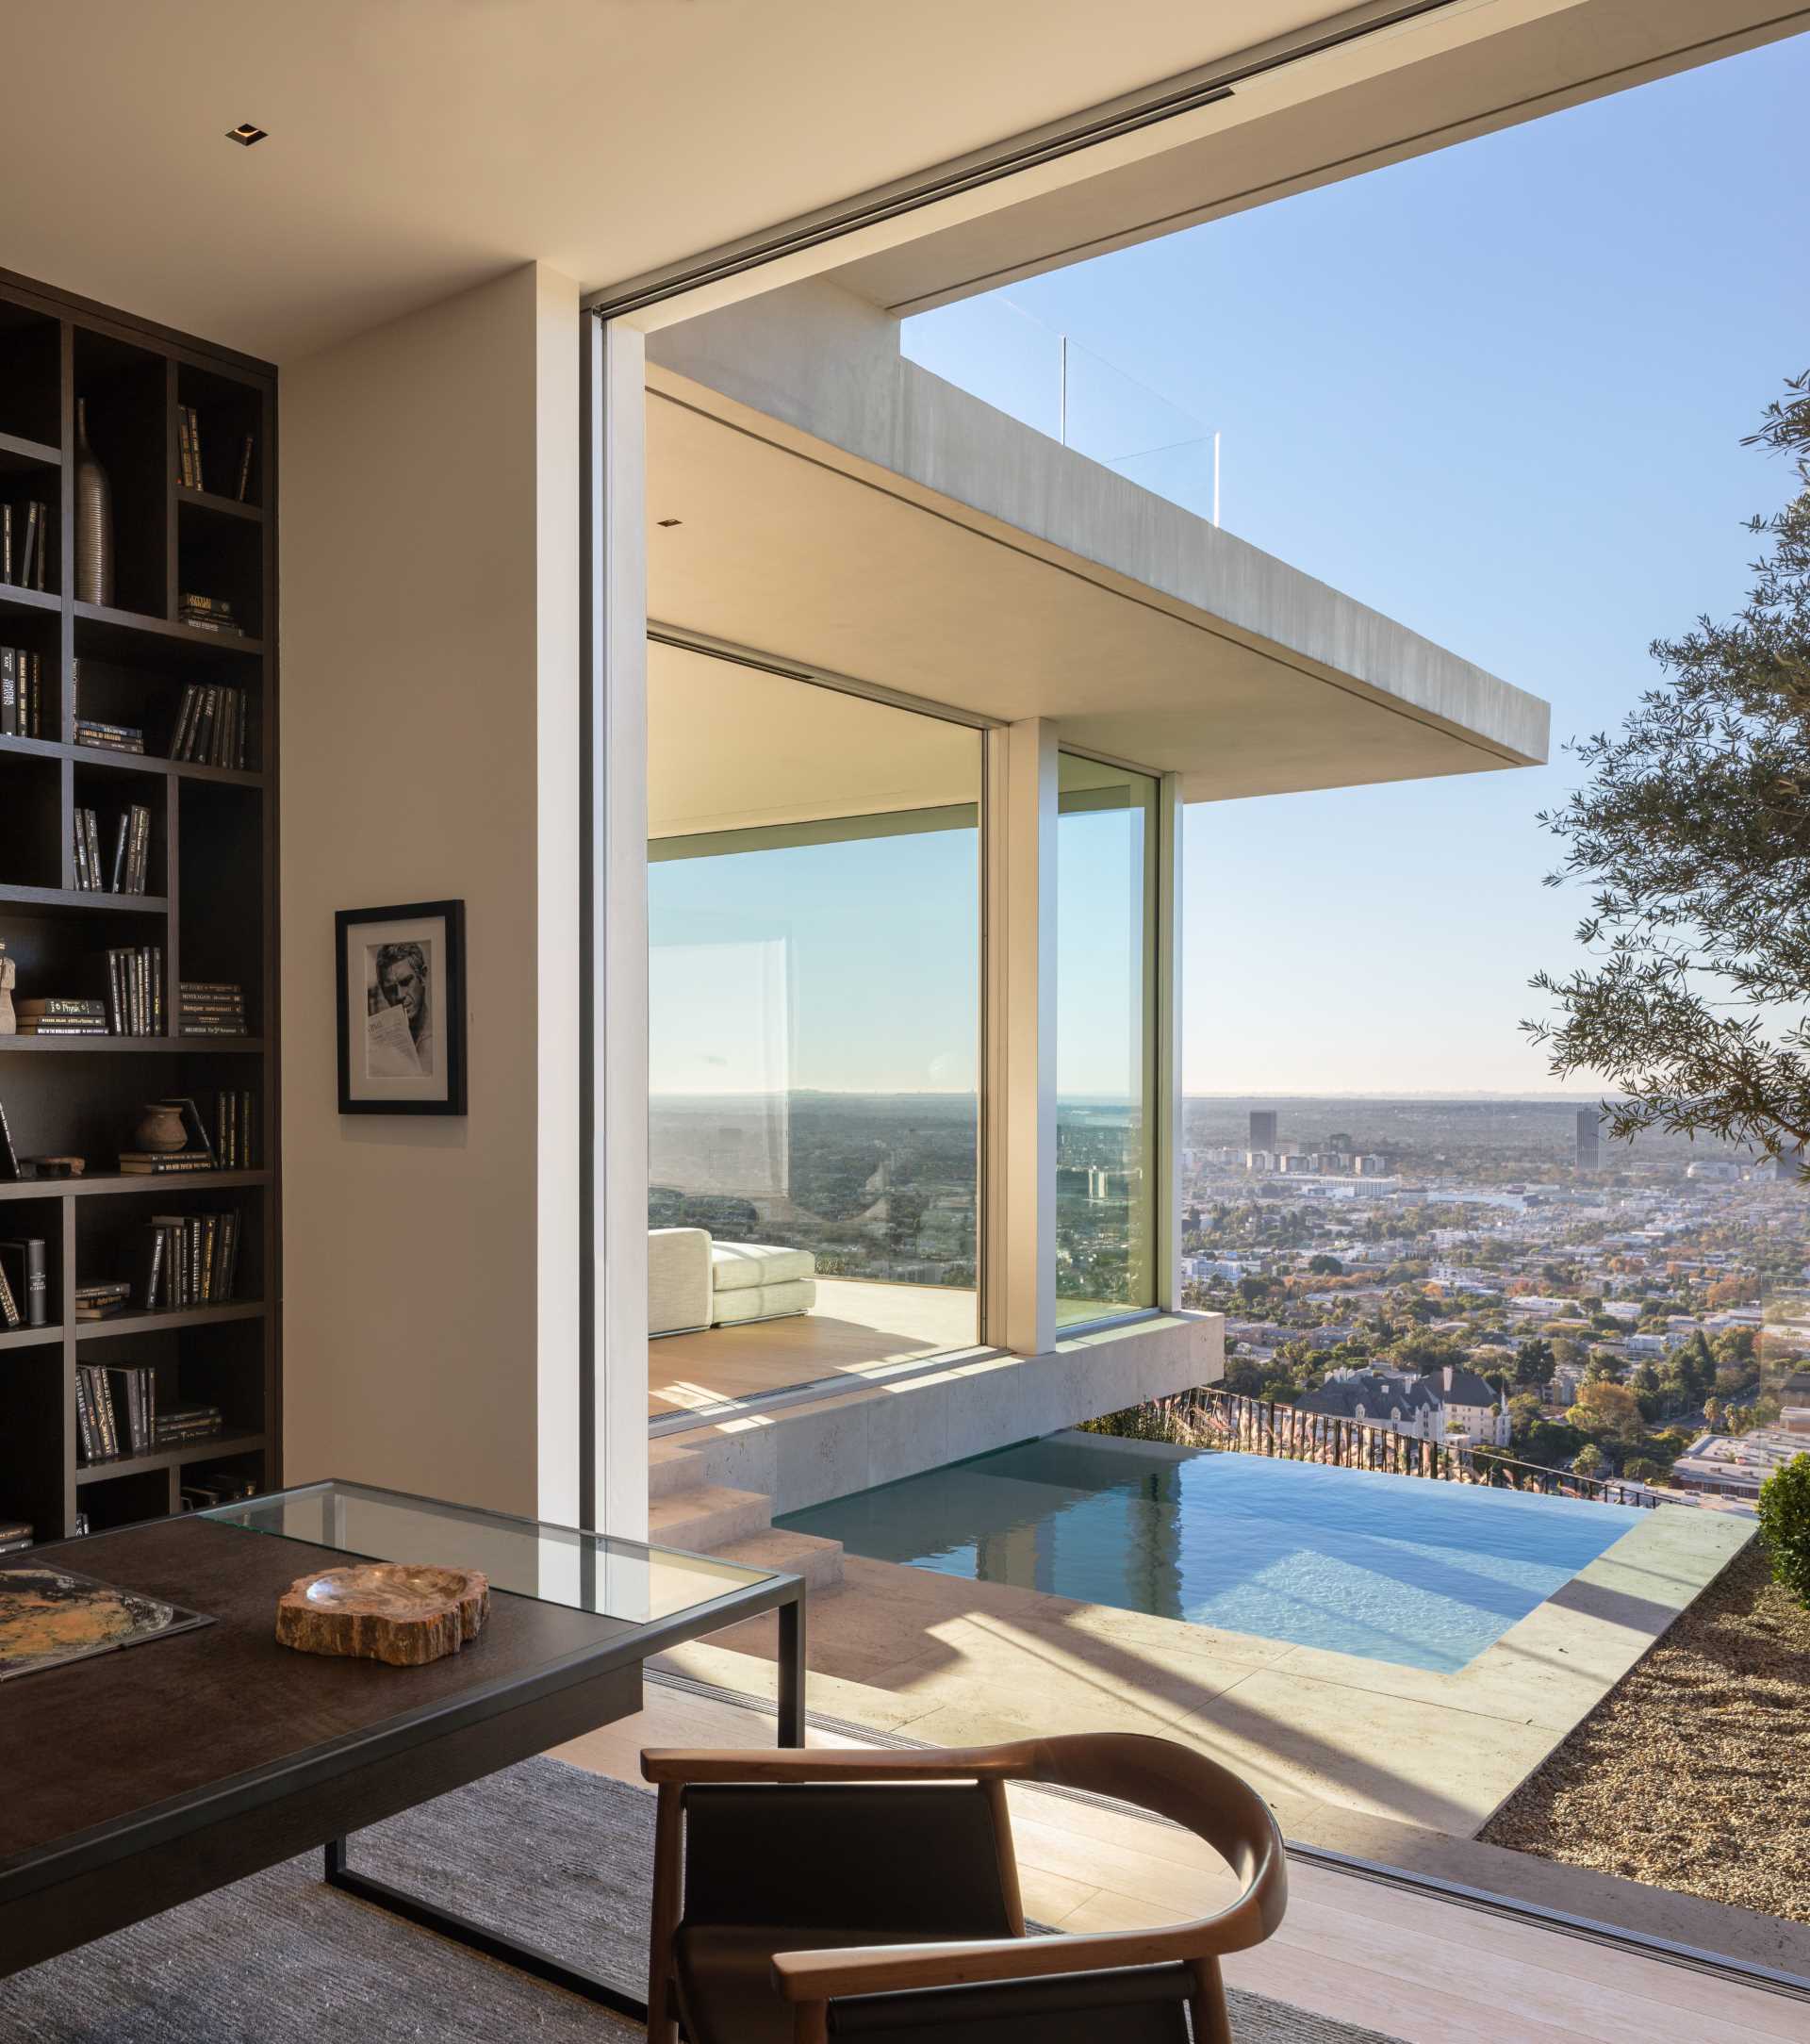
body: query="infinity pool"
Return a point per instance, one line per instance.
(1392, 1568)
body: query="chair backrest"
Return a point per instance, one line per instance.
(1142, 2005)
(919, 1860)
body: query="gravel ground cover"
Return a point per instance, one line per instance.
(1694, 1772)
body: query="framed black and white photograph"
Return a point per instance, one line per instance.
(402, 1009)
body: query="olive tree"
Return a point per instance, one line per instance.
(1693, 829)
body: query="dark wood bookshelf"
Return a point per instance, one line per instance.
(89, 1046)
(89, 1187)
(213, 863)
(217, 1448)
(187, 1316)
(29, 1337)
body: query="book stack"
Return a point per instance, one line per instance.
(236, 1129)
(25, 539)
(104, 1301)
(117, 1414)
(210, 726)
(24, 1294)
(184, 1423)
(209, 613)
(127, 867)
(96, 1434)
(15, 1534)
(208, 1488)
(212, 1008)
(21, 693)
(135, 991)
(187, 1260)
(62, 1016)
(102, 738)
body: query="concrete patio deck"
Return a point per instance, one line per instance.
(1327, 1738)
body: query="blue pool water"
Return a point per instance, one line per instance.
(1392, 1568)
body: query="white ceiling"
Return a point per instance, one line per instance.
(801, 561)
(420, 146)
(730, 749)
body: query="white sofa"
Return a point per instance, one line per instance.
(694, 1282)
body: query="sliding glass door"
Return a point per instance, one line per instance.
(813, 1002)
(1105, 1040)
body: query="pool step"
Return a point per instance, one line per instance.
(673, 1469)
(819, 1562)
(703, 1519)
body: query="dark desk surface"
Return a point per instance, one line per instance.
(101, 1741)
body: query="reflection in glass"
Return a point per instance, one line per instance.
(1106, 1011)
(815, 1017)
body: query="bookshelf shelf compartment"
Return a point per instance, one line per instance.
(21, 457)
(153, 1047)
(210, 852)
(147, 764)
(76, 897)
(31, 605)
(11, 1338)
(205, 500)
(194, 1316)
(190, 1451)
(89, 1188)
(31, 848)
(135, 634)
(32, 347)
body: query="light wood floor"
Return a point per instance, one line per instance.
(1418, 1970)
(855, 1329)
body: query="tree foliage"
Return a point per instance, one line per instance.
(1784, 1522)
(1608, 1410)
(1693, 827)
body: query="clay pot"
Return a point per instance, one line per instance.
(160, 1128)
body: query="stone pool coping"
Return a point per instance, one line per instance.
(1323, 1734)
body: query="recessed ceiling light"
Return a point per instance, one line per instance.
(245, 134)
(669, 521)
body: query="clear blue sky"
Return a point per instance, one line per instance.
(1497, 394)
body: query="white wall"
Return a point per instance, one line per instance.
(429, 748)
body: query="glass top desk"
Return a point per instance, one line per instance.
(192, 1760)
(666, 1593)
(658, 1597)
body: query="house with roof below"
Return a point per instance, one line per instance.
(1451, 1407)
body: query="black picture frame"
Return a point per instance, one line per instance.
(364, 1095)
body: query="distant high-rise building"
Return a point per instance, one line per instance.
(1590, 1151)
(1264, 1129)
(1340, 1142)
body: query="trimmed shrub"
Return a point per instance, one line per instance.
(1784, 1522)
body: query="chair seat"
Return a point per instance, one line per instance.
(725, 1979)
(726, 1996)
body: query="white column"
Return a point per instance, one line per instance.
(1020, 1065)
(558, 1248)
(1167, 1105)
(616, 680)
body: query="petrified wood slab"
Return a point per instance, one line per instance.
(406, 1613)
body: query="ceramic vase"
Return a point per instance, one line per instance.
(94, 519)
(160, 1130)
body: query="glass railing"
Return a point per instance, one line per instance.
(1004, 355)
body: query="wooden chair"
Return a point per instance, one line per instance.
(801, 1896)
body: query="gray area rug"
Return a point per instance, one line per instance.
(545, 1852)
